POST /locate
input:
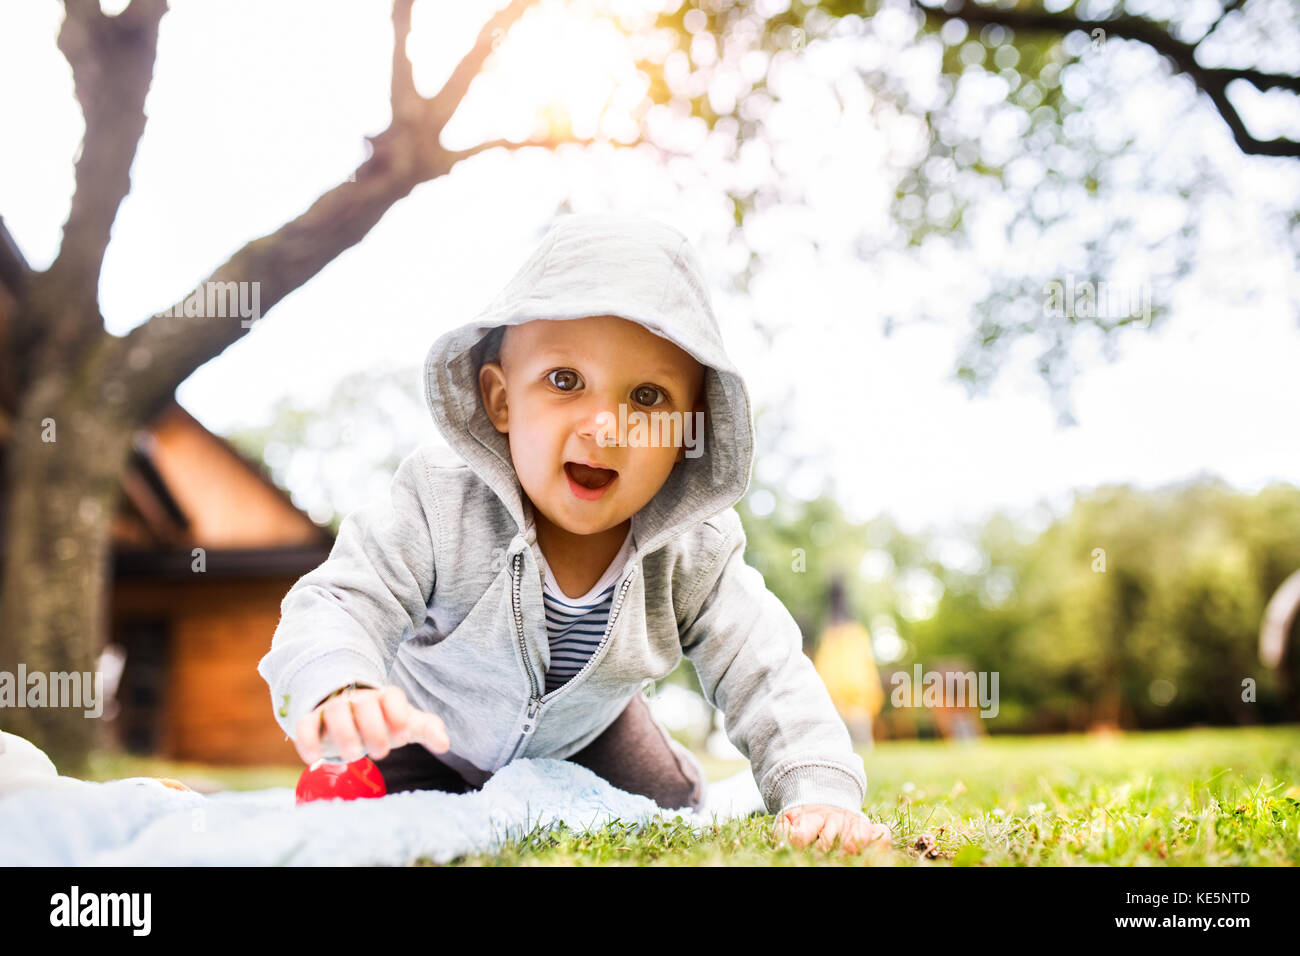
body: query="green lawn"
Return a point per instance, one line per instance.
(1194, 797)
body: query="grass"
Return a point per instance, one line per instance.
(1203, 797)
(200, 776)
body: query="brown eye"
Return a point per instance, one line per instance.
(648, 395)
(569, 379)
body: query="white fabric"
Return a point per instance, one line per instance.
(140, 822)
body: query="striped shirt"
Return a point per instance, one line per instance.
(576, 626)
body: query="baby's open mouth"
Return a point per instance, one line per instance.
(589, 477)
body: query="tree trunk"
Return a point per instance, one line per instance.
(61, 495)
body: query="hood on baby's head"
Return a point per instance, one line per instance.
(591, 264)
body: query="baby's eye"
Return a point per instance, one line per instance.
(569, 375)
(647, 395)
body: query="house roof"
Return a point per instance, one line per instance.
(187, 487)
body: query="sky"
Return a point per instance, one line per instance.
(257, 107)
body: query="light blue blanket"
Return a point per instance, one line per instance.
(142, 823)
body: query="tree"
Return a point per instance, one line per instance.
(1021, 102)
(1161, 35)
(1137, 608)
(73, 394)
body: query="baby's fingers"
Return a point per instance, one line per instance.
(833, 825)
(861, 834)
(881, 832)
(429, 730)
(342, 728)
(306, 737)
(397, 714)
(799, 829)
(369, 720)
(407, 725)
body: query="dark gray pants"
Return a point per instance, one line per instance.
(634, 753)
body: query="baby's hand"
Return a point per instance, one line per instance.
(817, 821)
(371, 721)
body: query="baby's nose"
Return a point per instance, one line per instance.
(600, 420)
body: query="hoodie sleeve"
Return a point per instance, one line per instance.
(343, 621)
(748, 652)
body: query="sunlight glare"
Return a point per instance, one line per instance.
(563, 70)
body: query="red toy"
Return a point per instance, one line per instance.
(341, 781)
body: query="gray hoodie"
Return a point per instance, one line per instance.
(438, 588)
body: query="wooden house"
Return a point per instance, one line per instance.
(205, 547)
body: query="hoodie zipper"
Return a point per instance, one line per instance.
(535, 701)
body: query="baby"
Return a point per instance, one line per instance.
(514, 602)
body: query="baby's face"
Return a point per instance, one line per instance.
(548, 391)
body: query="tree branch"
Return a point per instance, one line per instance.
(15, 274)
(407, 104)
(453, 91)
(1230, 7)
(155, 357)
(112, 61)
(549, 142)
(1211, 81)
(14, 270)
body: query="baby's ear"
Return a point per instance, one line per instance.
(492, 389)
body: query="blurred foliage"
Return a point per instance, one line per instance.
(1079, 154)
(337, 456)
(1137, 607)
